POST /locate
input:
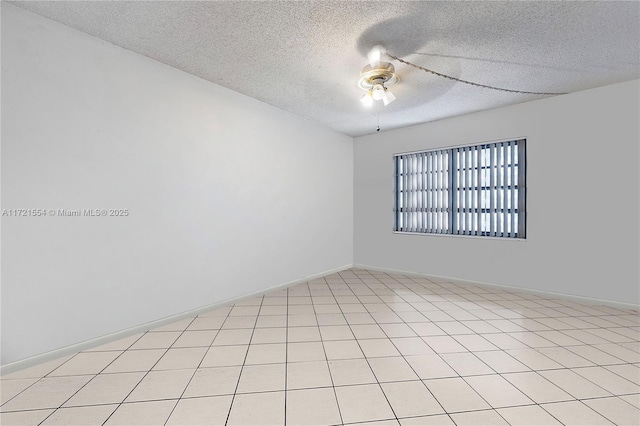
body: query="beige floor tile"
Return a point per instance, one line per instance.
(39, 370)
(430, 366)
(466, 364)
(24, 418)
(392, 369)
(504, 341)
(353, 410)
(411, 346)
(273, 310)
(437, 420)
(178, 358)
(384, 317)
(309, 309)
(533, 359)
(213, 381)
(206, 323)
(86, 363)
(359, 319)
(269, 335)
(397, 330)
(305, 351)
(558, 338)
(427, 329)
(342, 349)
(609, 335)
(607, 380)
(257, 409)
(454, 327)
(132, 360)
(536, 387)
(331, 319)
(621, 352)
(151, 413)
(241, 311)
(411, 317)
(248, 322)
(50, 392)
(574, 384)
(270, 353)
(106, 389)
(262, 378)
(529, 415)
(378, 423)
(594, 355)
(497, 391)
(240, 336)
(444, 344)
(81, 416)
(501, 362)
(225, 356)
(479, 418)
(455, 395)
(565, 357)
(312, 407)
(268, 321)
(630, 372)
(368, 331)
(303, 320)
(156, 340)
(632, 399)
(615, 410)
(11, 388)
(352, 308)
(411, 398)
(373, 348)
(299, 300)
(198, 338)
(351, 372)
(161, 385)
(301, 375)
(505, 326)
(575, 413)
(211, 410)
(475, 342)
(585, 337)
(479, 326)
(117, 345)
(336, 332)
(303, 334)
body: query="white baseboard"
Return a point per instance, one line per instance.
(548, 294)
(87, 344)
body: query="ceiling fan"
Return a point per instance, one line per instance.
(379, 75)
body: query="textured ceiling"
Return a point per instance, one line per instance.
(305, 57)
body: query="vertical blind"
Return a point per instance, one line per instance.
(472, 190)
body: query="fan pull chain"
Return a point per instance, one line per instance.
(470, 82)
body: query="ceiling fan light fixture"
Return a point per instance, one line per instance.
(388, 97)
(367, 99)
(378, 92)
(377, 77)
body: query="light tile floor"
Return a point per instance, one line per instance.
(356, 347)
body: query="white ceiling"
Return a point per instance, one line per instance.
(305, 57)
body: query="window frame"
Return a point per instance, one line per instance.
(516, 206)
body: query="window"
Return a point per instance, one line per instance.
(471, 190)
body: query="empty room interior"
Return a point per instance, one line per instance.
(320, 213)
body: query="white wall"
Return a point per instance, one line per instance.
(227, 195)
(583, 195)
